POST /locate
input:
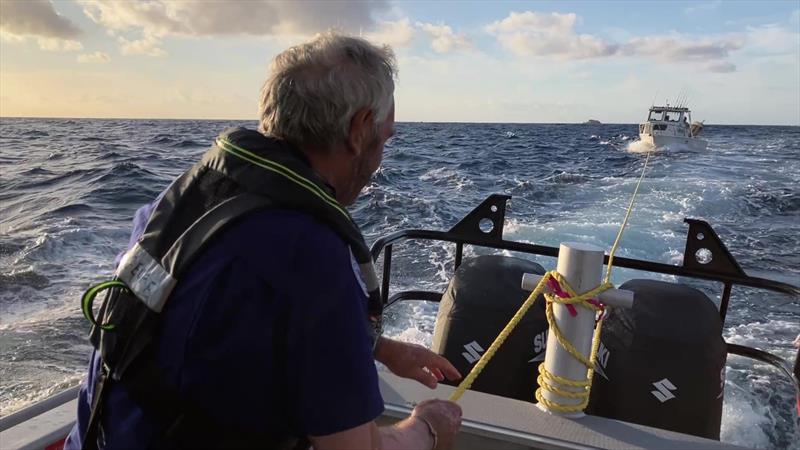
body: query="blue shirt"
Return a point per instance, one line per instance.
(274, 273)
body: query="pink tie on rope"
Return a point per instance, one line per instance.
(556, 288)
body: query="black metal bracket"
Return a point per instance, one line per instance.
(716, 263)
(706, 252)
(484, 223)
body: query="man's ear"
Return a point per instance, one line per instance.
(360, 125)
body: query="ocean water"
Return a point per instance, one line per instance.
(69, 188)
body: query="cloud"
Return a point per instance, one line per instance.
(721, 67)
(547, 34)
(773, 39)
(96, 57)
(399, 33)
(676, 47)
(243, 17)
(157, 19)
(553, 35)
(149, 17)
(444, 39)
(38, 19)
(58, 45)
(149, 45)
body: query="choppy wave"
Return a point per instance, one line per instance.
(70, 187)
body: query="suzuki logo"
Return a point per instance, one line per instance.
(664, 392)
(473, 352)
(602, 360)
(539, 346)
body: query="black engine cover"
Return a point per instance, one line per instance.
(483, 295)
(662, 362)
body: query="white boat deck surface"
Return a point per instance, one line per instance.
(42, 430)
(492, 422)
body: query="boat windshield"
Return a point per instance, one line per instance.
(666, 115)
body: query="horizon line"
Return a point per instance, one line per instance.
(398, 121)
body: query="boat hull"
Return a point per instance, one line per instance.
(674, 142)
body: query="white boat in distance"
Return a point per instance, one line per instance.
(669, 126)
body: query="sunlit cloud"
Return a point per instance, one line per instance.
(444, 40)
(192, 17)
(58, 45)
(154, 20)
(149, 45)
(399, 33)
(38, 19)
(96, 57)
(547, 34)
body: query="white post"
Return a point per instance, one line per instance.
(582, 266)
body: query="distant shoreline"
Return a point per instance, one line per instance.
(399, 121)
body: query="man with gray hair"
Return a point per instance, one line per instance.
(246, 311)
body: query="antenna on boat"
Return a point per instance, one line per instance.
(653, 103)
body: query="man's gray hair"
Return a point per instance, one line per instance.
(315, 88)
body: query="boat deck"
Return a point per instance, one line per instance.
(492, 422)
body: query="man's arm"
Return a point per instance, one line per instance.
(433, 425)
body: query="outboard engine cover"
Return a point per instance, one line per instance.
(482, 297)
(662, 362)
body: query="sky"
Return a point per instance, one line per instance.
(734, 62)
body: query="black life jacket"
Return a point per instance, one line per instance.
(244, 171)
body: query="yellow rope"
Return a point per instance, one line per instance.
(579, 300)
(466, 383)
(547, 379)
(625, 222)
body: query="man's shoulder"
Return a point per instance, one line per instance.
(282, 223)
(276, 231)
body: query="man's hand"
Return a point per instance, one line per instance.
(415, 362)
(445, 419)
